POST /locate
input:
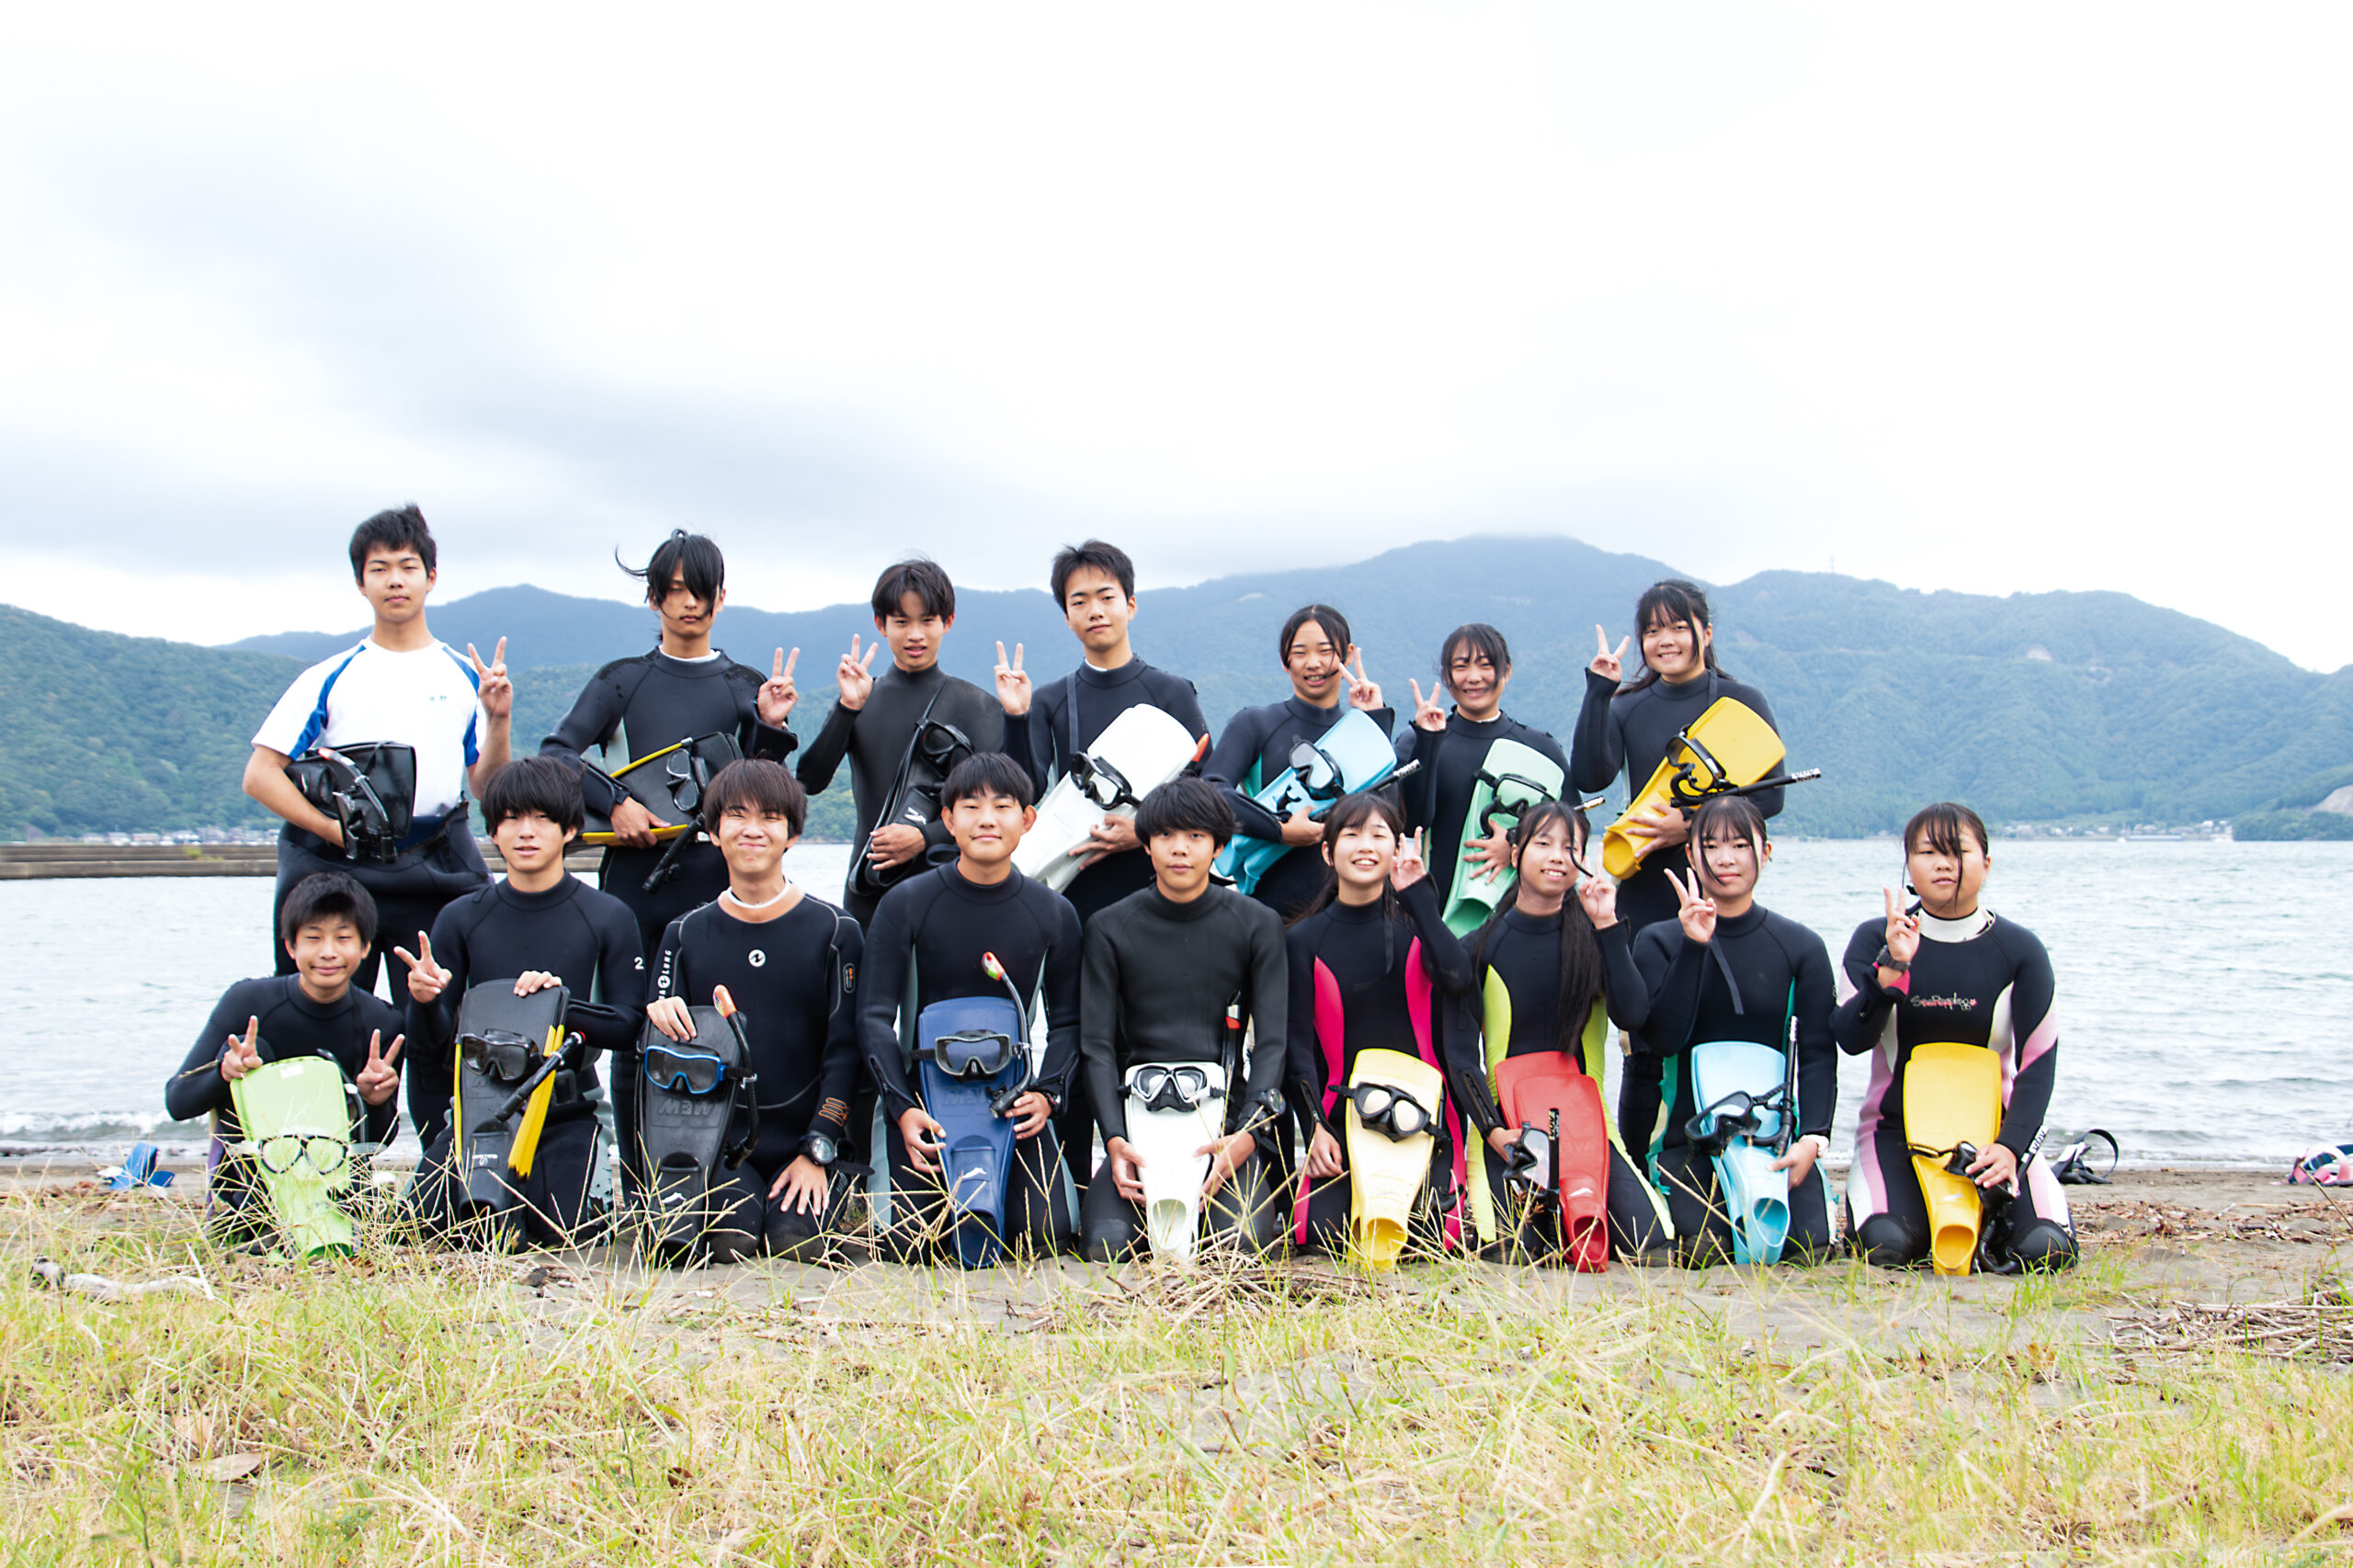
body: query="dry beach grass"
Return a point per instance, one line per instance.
(2174, 1398)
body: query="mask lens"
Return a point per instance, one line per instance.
(977, 1054)
(690, 1071)
(500, 1054)
(280, 1153)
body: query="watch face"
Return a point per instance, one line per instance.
(821, 1149)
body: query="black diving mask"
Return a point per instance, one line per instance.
(683, 1071)
(972, 1053)
(500, 1054)
(1172, 1088)
(1391, 1111)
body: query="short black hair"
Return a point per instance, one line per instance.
(693, 556)
(1334, 625)
(1184, 804)
(985, 775)
(763, 786)
(1941, 826)
(919, 575)
(534, 786)
(400, 528)
(1107, 559)
(327, 896)
(1473, 637)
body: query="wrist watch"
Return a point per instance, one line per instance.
(1889, 960)
(820, 1150)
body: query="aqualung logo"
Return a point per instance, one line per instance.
(758, 959)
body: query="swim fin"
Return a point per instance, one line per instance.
(1729, 745)
(1952, 1096)
(667, 783)
(1512, 777)
(296, 1120)
(509, 1048)
(1530, 1088)
(1138, 750)
(1353, 754)
(1393, 1104)
(1174, 1109)
(974, 1054)
(1738, 1086)
(698, 1109)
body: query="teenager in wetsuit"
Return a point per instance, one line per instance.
(1369, 965)
(327, 925)
(1095, 584)
(1627, 729)
(1176, 973)
(930, 943)
(1316, 651)
(788, 962)
(876, 718)
(1729, 969)
(1948, 969)
(1475, 666)
(399, 686)
(1539, 960)
(680, 689)
(539, 927)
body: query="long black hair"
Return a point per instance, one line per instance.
(1735, 815)
(1581, 971)
(1666, 603)
(1352, 812)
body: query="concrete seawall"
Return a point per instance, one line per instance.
(28, 862)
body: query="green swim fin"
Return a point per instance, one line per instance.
(296, 1119)
(1512, 777)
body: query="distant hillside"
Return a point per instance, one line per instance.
(2034, 707)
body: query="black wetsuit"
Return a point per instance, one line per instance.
(1523, 953)
(292, 1025)
(1367, 958)
(1672, 992)
(1254, 751)
(792, 979)
(1065, 716)
(653, 701)
(1157, 981)
(588, 940)
(1978, 980)
(1437, 798)
(939, 924)
(874, 738)
(1631, 734)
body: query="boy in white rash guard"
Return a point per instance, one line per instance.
(402, 687)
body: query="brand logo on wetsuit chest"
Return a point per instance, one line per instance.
(758, 959)
(1948, 1003)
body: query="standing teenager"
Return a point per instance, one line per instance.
(1178, 975)
(540, 927)
(1628, 729)
(1454, 750)
(786, 962)
(1095, 584)
(1729, 969)
(1316, 651)
(1368, 965)
(893, 727)
(401, 687)
(973, 929)
(680, 689)
(1948, 971)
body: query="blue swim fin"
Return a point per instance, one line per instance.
(972, 1051)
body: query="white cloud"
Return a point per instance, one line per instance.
(2003, 299)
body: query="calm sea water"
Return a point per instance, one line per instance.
(2205, 988)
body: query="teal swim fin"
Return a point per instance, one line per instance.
(1740, 1087)
(1512, 777)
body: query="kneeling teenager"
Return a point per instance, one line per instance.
(960, 960)
(750, 1055)
(1174, 977)
(503, 970)
(1715, 995)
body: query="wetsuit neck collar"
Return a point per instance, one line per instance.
(1459, 720)
(1960, 931)
(545, 898)
(310, 1006)
(699, 665)
(1520, 920)
(1354, 914)
(1169, 909)
(979, 892)
(1119, 674)
(1741, 924)
(1299, 708)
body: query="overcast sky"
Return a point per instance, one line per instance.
(1989, 298)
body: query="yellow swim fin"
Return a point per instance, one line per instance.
(1742, 745)
(535, 1114)
(1386, 1171)
(1953, 1095)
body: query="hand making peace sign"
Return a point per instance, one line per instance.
(1427, 712)
(496, 692)
(1698, 911)
(778, 693)
(1362, 692)
(1410, 868)
(1606, 665)
(426, 980)
(242, 1056)
(1012, 685)
(1903, 930)
(854, 678)
(380, 1080)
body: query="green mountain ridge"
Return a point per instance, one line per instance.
(2033, 707)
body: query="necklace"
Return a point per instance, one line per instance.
(742, 902)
